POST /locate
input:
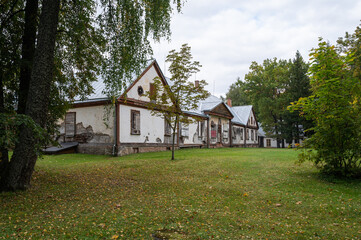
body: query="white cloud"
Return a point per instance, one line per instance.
(226, 36)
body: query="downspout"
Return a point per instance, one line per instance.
(208, 139)
(245, 136)
(114, 153)
(230, 133)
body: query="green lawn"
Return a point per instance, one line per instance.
(204, 194)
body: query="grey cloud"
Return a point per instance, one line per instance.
(226, 36)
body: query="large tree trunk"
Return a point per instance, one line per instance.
(27, 52)
(24, 157)
(4, 155)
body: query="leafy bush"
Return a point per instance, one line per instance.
(334, 107)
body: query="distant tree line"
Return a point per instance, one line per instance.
(270, 87)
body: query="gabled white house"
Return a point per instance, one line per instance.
(132, 128)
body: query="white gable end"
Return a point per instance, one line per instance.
(144, 82)
(252, 120)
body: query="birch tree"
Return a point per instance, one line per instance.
(86, 39)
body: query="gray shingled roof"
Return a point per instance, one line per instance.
(242, 113)
(209, 103)
(98, 87)
(235, 119)
(261, 132)
(206, 105)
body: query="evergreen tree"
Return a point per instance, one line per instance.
(298, 86)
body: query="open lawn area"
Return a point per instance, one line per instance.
(203, 194)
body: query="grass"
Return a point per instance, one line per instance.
(204, 194)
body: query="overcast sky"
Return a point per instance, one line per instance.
(227, 35)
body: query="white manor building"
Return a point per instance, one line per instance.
(132, 128)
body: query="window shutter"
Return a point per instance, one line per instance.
(70, 128)
(137, 122)
(151, 91)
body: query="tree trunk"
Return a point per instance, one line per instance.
(24, 158)
(173, 143)
(4, 155)
(174, 131)
(277, 137)
(27, 52)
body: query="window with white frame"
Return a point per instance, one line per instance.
(268, 142)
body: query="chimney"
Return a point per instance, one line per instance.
(229, 102)
(196, 83)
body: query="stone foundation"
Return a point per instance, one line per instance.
(107, 148)
(126, 150)
(95, 148)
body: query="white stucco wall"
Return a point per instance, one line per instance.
(255, 138)
(224, 123)
(253, 122)
(151, 127)
(238, 138)
(274, 143)
(93, 116)
(144, 81)
(193, 134)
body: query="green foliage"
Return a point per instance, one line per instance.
(9, 129)
(334, 107)
(126, 27)
(11, 28)
(298, 86)
(237, 93)
(172, 100)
